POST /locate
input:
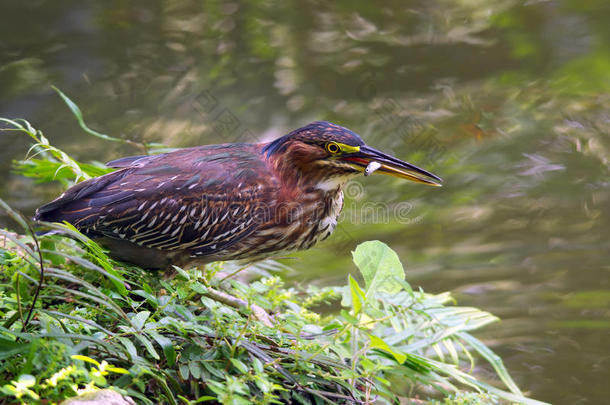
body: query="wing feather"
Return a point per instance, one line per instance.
(128, 161)
(199, 199)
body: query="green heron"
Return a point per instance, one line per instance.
(225, 202)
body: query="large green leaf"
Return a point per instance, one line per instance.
(380, 267)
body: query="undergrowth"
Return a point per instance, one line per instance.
(72, 320)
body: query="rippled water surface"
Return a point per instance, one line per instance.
(508, 101)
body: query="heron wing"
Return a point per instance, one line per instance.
(203, 199)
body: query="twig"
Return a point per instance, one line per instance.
(39, 286)
(238, 303)
(19, 307)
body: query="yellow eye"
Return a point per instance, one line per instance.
(333, 148)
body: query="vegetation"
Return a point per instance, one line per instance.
(72, 320)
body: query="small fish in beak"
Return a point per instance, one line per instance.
(371, 168)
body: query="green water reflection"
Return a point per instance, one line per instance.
(508, 101)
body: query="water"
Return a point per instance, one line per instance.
(507, 101)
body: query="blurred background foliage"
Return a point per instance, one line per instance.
(507, 100)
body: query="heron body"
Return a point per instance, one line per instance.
(224, 202)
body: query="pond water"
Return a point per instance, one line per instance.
(508, 101)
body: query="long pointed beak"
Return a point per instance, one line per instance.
(390, 165)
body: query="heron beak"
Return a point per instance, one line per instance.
(369, 160)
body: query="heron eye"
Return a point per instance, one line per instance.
(333, 148)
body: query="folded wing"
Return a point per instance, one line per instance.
(200, 199)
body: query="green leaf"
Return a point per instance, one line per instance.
(182, 273)
(85, 359)
(205, 398)
(149, 346)
(98, 379)
(380, 267)
(357, 295)
(117, 370)
(240, 366)
(167, 346)
(348, 317)
(378, 343)
(79, 117)
(199, 288)
(13, 214)
(150, 298)
(139, 319)
(9, 348)
(27, 380)
(184, 370)
(493, 359)
(257, 365)
(147, 288)
(195, 369)
(44, 171)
